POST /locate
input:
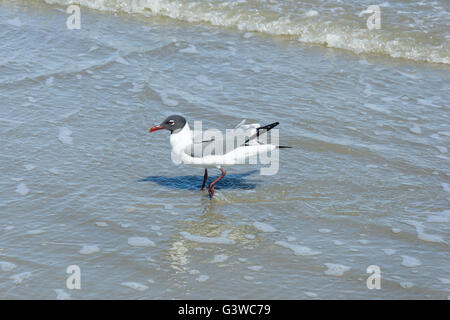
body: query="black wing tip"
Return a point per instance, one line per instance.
(284, 147)
(269, 126)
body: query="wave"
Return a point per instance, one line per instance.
(307, 26)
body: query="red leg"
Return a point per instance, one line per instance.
(204, 179)
(211, 185)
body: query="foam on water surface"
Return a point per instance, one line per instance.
(297, 249)
(202, 278)
(255, 268)
(7, 266)
(140, 242)
(65, 135)
(223, 239)
(308, 25)
(219, 258)
(35, 232)
(101, 224)
(410, 262)
(443, 217)
(406, 284)
(62, 295)
(89, 249)
(22, 189)
(389, 252)
(29, 167)
(21, 277)
(135, 286)
(264, 227)
(335, 269)
(310, 294)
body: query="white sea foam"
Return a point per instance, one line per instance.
(204, 80)
(446, 187)
(336, 269)
(223, 239)
(22, 189)
(54, 171)
(89, 249)
(415, 129)
(310, 294)
(425, 236)
(135, 286)
(35, 231)
(410, 262)
(20, 277)
(311, 13)
(167, 101)
(389, 252)
(14, 22)
(29, 167)
(219, 258)
(62, 295)
(341, 32)
(298, 250)
(202, 278)
(7, 266)
(442, 149)
(255, 268)
(65, 135)
(49, 81)
(140, 242)
(122, 61)
(406, 284)
(264, 227)
(443, 216)
(377, 108)
(191, 49)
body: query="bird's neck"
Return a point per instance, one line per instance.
(181, 139)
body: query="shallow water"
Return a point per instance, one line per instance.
(83, 183)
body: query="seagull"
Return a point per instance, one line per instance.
(202, 153)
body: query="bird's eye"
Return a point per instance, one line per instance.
(171, 122)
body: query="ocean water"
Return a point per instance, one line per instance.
(83, 183)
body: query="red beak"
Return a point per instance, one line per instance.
(155, 128)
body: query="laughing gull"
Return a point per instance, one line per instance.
(203, 153)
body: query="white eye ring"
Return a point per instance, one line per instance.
(171, 122)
